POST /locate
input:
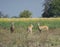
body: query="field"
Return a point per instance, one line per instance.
(21, 38)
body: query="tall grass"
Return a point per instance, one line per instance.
(20, 37)
(24, 22)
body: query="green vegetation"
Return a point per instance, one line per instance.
(53, 23)
(25, 14)
(21, 38)
(52, 8)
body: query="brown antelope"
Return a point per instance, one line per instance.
(12, 27)
(30, 28)
(42, 27)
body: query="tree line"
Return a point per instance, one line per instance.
(51, 9)
(23, 14)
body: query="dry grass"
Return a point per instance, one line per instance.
(20, 38)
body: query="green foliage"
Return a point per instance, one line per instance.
(53, 9)
(25, 14)
(56, 7)
(46, 8)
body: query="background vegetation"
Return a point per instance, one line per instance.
(51, 8)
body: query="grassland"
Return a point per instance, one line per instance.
(20, 37)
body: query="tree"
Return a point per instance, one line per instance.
(25, 14)
(52, 9)
(46, 7)
(56, 8)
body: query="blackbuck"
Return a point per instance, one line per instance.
(12, 28)
(44, 28)
(29, 29)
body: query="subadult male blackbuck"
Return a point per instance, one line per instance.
(29, 29)
(12, 27)
(44, 28)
